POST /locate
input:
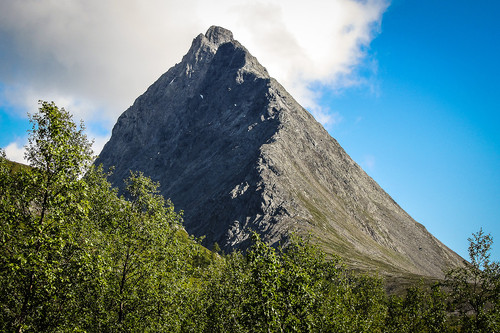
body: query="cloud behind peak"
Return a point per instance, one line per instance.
(102, 54)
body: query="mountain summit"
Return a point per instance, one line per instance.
(237, 153)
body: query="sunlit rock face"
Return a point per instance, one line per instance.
(235, 152)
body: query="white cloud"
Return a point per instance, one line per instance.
(15, 152)
(98, 142)
(95, 57)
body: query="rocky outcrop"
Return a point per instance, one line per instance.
(237, 153)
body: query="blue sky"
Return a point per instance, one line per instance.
(428, 130)
(408, 88)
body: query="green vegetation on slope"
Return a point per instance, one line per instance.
(14, 166)
(76, 256)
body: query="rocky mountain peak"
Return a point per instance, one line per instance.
(218, 35)
(209, 43)
(233, 150)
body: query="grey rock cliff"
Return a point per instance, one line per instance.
(236, 152)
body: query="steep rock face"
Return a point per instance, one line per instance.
(236, 152)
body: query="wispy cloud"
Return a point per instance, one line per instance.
(369, 162)
(95, 57)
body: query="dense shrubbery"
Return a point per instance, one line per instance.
(76, 256)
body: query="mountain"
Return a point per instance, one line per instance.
(237, 153)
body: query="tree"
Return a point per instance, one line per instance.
(223, 294)
(263, 309)
(140, 255)
(475, 287)
(43, 232)
(76, 256)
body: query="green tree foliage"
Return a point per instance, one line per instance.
(42, 252)
(73, 254)
(475, 287)
(139, 256)
(289, 289)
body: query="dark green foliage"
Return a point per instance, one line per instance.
(421, 310)
(76, 256)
